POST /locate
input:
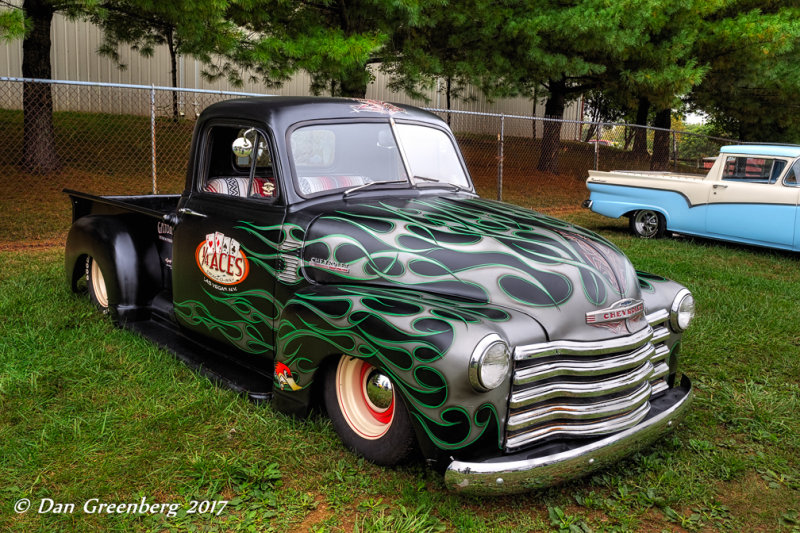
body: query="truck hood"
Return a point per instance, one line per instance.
(475, 249)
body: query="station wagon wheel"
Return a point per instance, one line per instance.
(368, 412)
(648, 224)
(98, 289)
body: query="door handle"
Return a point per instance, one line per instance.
(718, 186)
(191, 212)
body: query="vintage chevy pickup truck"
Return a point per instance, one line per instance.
(750, 195)
(333, 252)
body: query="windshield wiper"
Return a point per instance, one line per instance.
(363, 186)
(456, 188)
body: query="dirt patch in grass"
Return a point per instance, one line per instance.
(319, 515)
(755, 504)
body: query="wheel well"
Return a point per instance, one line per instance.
(78, 277)
(316, 402)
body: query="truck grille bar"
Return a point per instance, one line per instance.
(586, 389)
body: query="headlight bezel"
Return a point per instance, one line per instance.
(479, 377)
(682, 311)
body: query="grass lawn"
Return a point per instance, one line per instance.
(88, 411)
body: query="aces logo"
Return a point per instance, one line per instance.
(222, 260)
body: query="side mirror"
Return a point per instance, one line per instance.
(242, 147)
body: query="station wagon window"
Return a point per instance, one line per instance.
(238, 163)
(752, 169)
(792, 178)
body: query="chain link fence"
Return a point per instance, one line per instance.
(125, 139)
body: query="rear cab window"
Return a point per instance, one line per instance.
(752, 169)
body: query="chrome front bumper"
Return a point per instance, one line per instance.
(511, 474)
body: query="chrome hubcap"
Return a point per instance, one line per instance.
(378, 390)
(646, 223)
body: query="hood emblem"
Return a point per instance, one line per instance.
(624, 314)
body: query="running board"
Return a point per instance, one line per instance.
(253, 380)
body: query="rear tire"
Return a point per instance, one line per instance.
(367, 412)
(648, 224)
(97, 286)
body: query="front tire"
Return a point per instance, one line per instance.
(648, 224)
(367, 412)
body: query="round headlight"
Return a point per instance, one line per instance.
(682, 311)
(489, 364)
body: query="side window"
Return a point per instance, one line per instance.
(792, 178)
(752, 169)
(238, 163)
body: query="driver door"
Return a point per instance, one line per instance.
(224, 258)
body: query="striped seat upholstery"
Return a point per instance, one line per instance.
(315, 184)
(237, 186)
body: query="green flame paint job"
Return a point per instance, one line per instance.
(405, 285)
(405, 333)
(646, 281)
(243, 333)
(482, 248)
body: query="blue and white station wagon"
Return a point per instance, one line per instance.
(750, 195)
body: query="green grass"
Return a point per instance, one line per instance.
(91, 411)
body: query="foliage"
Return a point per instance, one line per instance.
(701, 143)
(335, 42)
(185, 27)
(752, 49)
(12, 23)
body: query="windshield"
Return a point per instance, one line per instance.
(329, 157)
(431, 154)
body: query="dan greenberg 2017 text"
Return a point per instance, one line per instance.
(141, 507)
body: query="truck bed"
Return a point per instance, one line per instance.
(152, 205)
(648, 174)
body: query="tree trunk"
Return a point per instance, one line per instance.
(628, 135)
(660, 160)
(39, 144)
(551, 137)
(590, 131)
(173, 72)
(640, 134)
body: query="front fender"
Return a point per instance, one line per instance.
(422, 341)
(658, 294)
(128, 258)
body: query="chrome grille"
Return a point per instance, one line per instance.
(660, 359)
(584, 389)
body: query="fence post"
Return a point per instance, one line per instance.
(500, 140)
(153, 136)
(597, 146)
(675, 150)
